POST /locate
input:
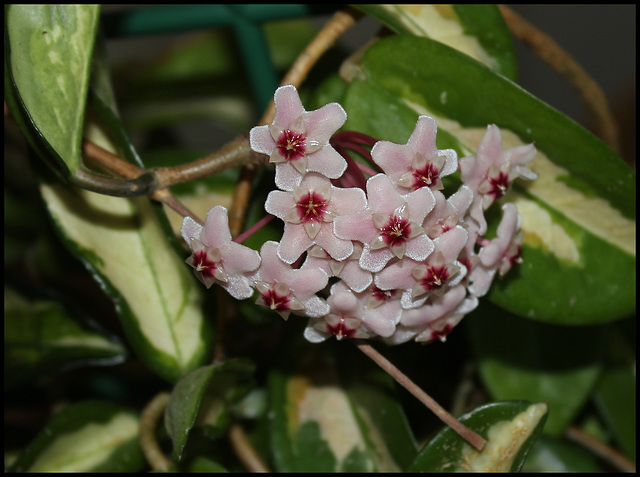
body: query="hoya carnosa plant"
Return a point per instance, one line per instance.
(397, 259)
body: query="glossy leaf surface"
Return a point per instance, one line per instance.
(578, 216)
(49, 57)
(321, 422)
(220, 383)
(524, 359)
(476, 30)
(510, 428)
(89, 436)
(42, 337)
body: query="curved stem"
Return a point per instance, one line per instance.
(600, 449)
(244, 450)
(147, 435)
(463, 431)
(562, 62)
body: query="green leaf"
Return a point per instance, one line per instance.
(90, 436)
(578, 217)
(42, 337)
(476, 30)
(615, 393)
(124, 246)
(524, 359)
(556, 455)
(207, 392)
(48, 57)
(323, 420)
(510, 428)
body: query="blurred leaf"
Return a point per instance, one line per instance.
(90, 436)
(510, 428)
(218, 385)
(48, 58)
(476, 30)
(578, 217)
(615, 394)
(322, 423)
(556, 455)
(42, 337)
(524, 359)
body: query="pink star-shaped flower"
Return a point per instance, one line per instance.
(216, 258)
(355, 315)
(308, 213)
(349, 270)
(491, 173)
(498, 254)
(286, 290)
(419, 163)
(440, 271)
(436, 319)
(297, 141)
(390, 226)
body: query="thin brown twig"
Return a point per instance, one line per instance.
(563, 63)
(149, 419)
(463, 431)
(600, 449)
(125, 169)
(244, 450)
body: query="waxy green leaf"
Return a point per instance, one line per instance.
(578, 217)
(47, 68)
(89, 436)
(213, 387)
(476, 30)
(525, 359)
(43, 336)
(123, 244)
(510, 429)
(326, 419)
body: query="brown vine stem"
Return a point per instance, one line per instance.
(149, 419)
(125, 169)
(463, 431)
(563, 63)
(244, 450)
(600, 449)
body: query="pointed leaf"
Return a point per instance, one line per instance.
(510, 428)
(221, 383)
(49, 50)
(578, 216)
(42, 337)
(90, 436)
(476, 30)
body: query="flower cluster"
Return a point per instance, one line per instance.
(397, 260)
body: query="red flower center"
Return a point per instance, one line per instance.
(340, 329)
(498, 185)
(382, 295)
(396, 232)
(276, 301)
(292, 145)
(203, 264)
(435, 277)
(425, 176)
(312, 207)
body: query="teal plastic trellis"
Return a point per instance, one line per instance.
(245, 20)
